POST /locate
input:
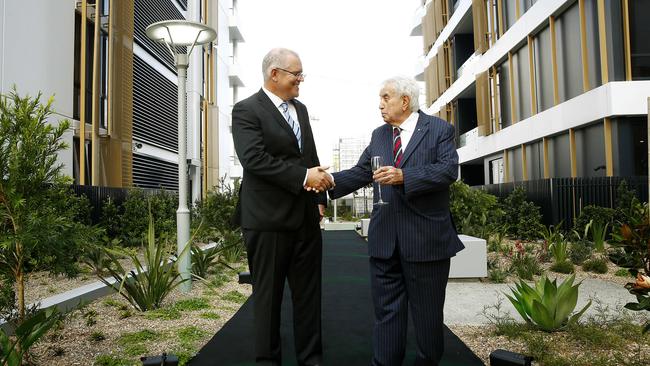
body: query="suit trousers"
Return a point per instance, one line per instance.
(398, 285)
(294, 256)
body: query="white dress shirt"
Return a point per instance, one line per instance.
(277, 101)
(408, 127)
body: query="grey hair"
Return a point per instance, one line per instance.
(404, 86)
(275, 58)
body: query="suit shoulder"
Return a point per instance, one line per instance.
(380, 128)
(245, 102)
(436, 122)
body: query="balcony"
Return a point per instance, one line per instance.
(468, 138)
(418, 68)
(416, 22)
(234, 76)
(234, 31)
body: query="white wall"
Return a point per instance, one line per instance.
(224, 92)
(37, 54)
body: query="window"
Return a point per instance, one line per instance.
(640, 39)
(521, 67)
(496, 171)
(543, 69)
(503, 72)
(569, 58)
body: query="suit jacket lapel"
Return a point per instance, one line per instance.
(416, 138)
(271, 108)
(387, 142)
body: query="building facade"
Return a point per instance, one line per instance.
(346, 155)
(120, 90)
(540, 88)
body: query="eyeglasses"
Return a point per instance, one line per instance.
(298, 75)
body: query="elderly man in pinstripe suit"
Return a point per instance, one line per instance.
(412, 238)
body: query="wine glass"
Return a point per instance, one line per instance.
(376, 163)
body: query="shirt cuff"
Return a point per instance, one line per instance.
(304, 181)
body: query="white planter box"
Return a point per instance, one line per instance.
(470, 262)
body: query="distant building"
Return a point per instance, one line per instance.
(346, 155)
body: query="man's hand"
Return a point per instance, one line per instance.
(321, 211)
(388, 175)
(318, 180)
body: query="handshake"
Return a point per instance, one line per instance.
(318, 180)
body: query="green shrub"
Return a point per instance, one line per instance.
(110, 218)
(497, 274)
(134, 219)
(524, 264)
(602, 215)
(474, 211)
(547, 305)
(596, 265)
(627, 204)
(563, 267)
(135, 211)
(522, 217)
(622, 272)
(216, 210)
(580, 251)
(39, 216)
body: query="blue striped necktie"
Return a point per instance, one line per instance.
(295, 126)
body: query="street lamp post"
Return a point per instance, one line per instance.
(174, 34)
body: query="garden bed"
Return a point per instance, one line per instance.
(109, 331)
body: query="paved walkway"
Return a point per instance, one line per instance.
(465, 300)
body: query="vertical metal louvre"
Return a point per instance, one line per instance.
(155, 102)
(150, 172)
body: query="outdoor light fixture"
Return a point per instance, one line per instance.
(175, 34)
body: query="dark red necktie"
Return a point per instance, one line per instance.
(397, 146)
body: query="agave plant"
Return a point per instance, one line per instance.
(146, 286)
(546, 305)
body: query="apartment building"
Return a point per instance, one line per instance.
(540, 88)
(346, 155)
(119, 88)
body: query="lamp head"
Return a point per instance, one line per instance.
(181, 33)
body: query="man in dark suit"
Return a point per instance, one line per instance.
(278, 217)
(412, 238)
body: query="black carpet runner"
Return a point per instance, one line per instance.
(347, 317)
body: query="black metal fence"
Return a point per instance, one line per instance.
(98, 195)
(562, 199)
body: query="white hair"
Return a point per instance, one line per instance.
(404, 86)
(275, 58)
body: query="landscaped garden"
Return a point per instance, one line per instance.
(544, 266)
(50, 243)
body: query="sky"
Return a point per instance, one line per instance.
(347, 48)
